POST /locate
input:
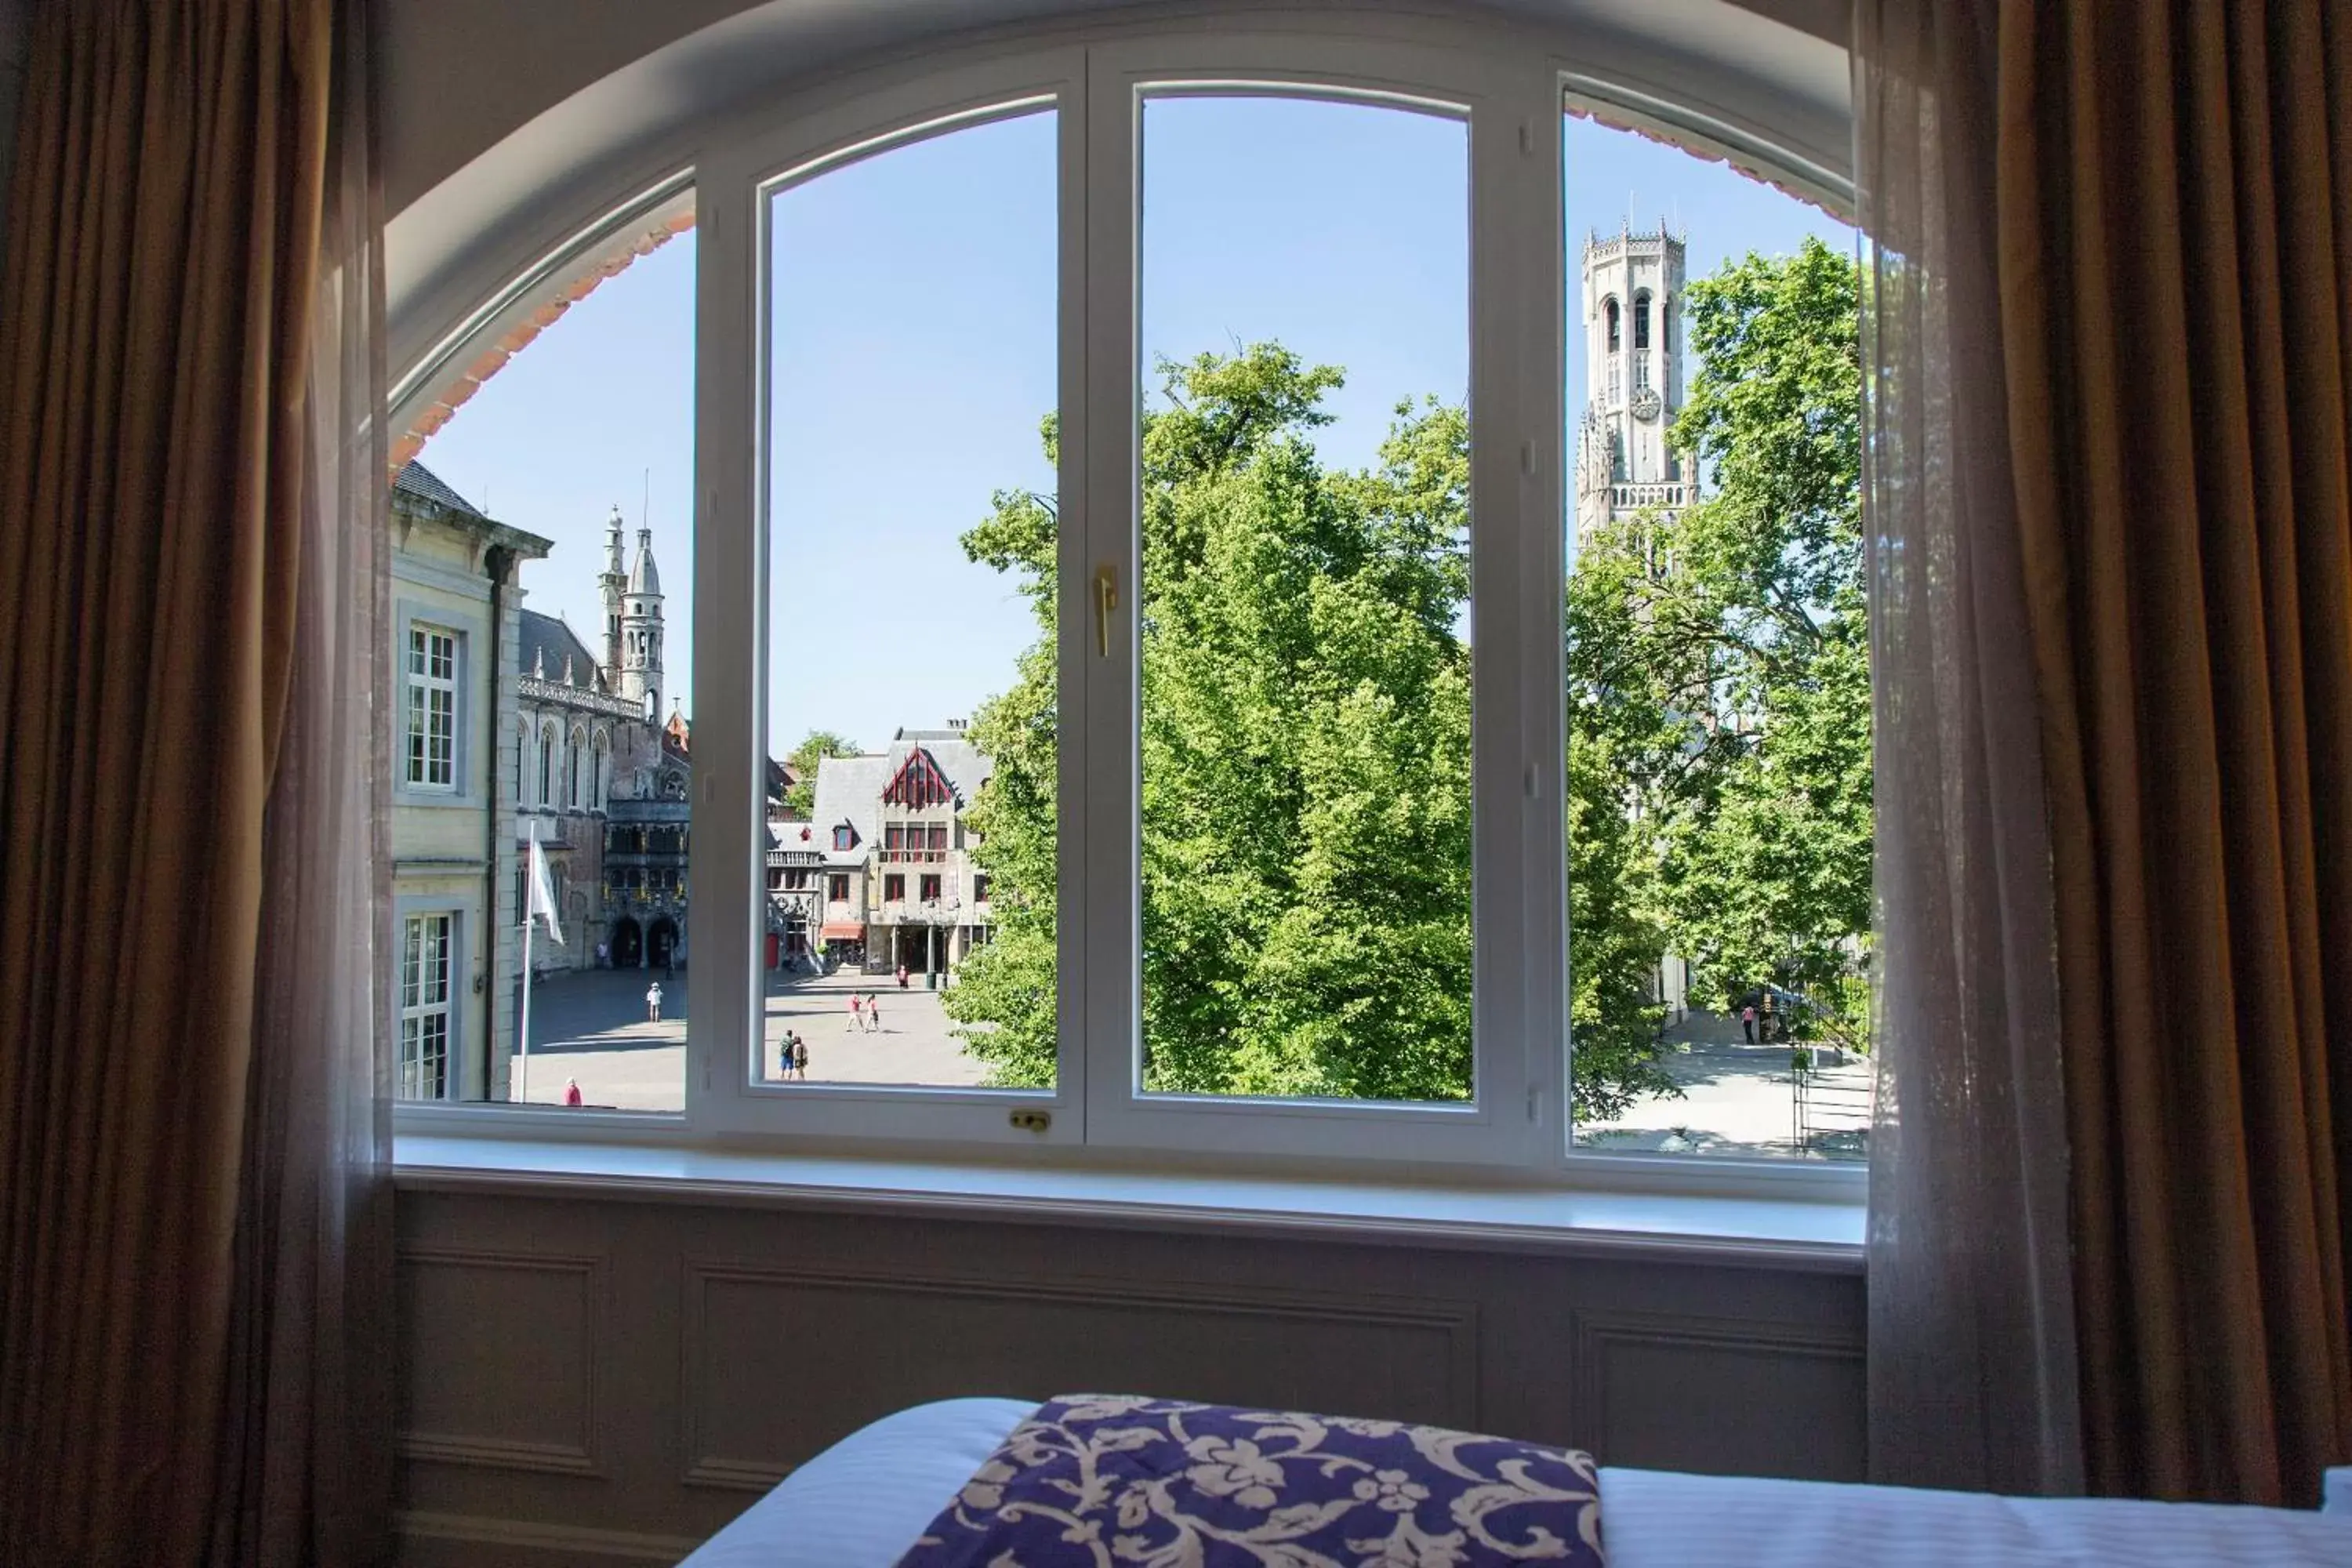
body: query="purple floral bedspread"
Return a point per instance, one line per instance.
(1101, 1480)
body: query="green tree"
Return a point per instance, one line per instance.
(1306, 753)
(1719, 662)
(800, 798)
(1003, 1002)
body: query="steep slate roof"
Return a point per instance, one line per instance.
(548, 638)
(643, 577)
(849, 789)
(416, 480)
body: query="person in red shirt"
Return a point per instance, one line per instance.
(571, 1091)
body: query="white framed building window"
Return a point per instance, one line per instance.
(1378, 985)
(426, 955)
(430, 732)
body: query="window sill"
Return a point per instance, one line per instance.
(1811, 1234)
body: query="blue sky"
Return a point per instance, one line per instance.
(913, 354)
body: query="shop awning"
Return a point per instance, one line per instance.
(844, 930)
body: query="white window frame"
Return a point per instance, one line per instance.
(419, 1012)
(423, 684)
(726, 1094)
(1510, 199)
(1514, 97)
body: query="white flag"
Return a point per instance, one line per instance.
(543, 892)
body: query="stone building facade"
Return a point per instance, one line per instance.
(510, 728)
(455, 620)
(892, 861)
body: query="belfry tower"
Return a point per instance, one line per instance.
(1633, 378)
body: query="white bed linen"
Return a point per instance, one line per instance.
(862, 1502)
(1654, 1519)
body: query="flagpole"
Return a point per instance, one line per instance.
(522, 1030)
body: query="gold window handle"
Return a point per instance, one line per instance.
(1106, 601)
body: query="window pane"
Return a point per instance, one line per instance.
(547, 536)
(1718, 697)
(911, 678)
(1305, 622)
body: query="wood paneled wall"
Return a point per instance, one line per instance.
(608, 1380)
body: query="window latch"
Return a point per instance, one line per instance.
(1106, 601)
(1032, 1120)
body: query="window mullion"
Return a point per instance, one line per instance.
(1516, 575)
(1100, 581)
(728, 800)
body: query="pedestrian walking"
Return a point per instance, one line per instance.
(874, 1012)
(1747, 1022)
(800, 1058)
(572, 1092)
(857, 1013)
(653, 1003)
(902, 977)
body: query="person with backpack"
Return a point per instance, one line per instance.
(800, 1058)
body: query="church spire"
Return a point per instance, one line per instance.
(639, 633)
(612, 581)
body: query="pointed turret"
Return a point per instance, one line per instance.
(640, 627)
(613, 583)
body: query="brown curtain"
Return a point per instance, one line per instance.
(2175, 252)
(192, 1134)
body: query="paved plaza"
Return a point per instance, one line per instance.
(591, 1025)
(1738, 1101)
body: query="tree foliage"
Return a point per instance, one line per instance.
(1306, 753)
(1719, 677)
(800, 798)
(1306, 744)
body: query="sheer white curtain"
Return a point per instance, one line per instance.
(307, 1462)
(1973, 1363)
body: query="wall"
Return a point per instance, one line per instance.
(593, 1379)
(461, 75)
(509, 126)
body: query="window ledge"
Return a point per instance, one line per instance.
(1814, 1235)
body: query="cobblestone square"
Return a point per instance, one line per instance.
(591, 1025)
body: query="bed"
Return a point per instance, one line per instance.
(1095, 1478)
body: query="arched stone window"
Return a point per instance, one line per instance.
(575, 755)
(1641, 320)
(1616, 325)
(547, 745)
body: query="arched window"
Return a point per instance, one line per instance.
(573, 758)
(522, 758)
(1355, 95)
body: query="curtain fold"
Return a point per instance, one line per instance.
(2175, 203)
(1971, 1370)
(194, 1255)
